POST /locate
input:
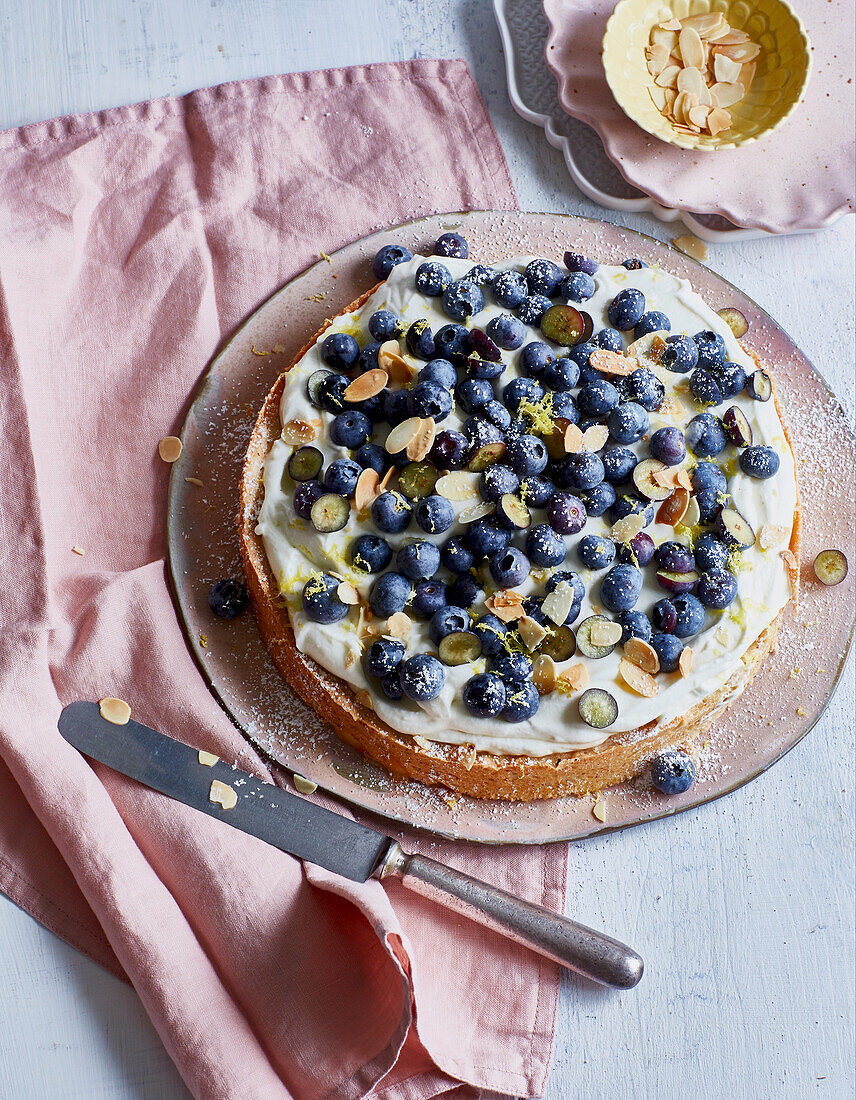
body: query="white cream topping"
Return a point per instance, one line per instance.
(295, 549)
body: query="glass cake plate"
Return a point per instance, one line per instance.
(777, 710)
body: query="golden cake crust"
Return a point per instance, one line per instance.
(461, 768)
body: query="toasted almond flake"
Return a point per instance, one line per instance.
(367, 385)
(724, 95)
(114, 710)
(772, 534)
(506, 604)
(666, 476)
(742, 52)
(725, 70)
(390, 360)
(668, 78)
(460, 485)
(544, 674)
(573, 440)
(684, 480)
(628, 528)
(468, 755)
(733, 37)
(674, 508)
(747, 74)
(692, 53)
(610, 362)
(670, 95)
(703, 24)
(387, 477)
(348, 594)
(604, 632)
(574, 678)
(680, 107)
(689, 80)
(685, 661)
(599, 810)
(78, 550)
(661, 37)
(476, 511)
(169, 448)
(402, 435)
(637, 679)
(689, 244)
(789, 558)
(673, 24)
(595, 437)
(422, 442)
(658, 97)
(717, 121)
(532, 633)
(195, 481)
(350, 658)
(657, 57)
(399, 624)
(298, 431)
(367, 490)
(207, 759)
(422, 742)
(223, 794)
(642, 654)
(557, 604)
(692, 516)
(305, 786)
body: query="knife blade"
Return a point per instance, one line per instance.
(317, 835)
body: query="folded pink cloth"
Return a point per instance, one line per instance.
(134, 240)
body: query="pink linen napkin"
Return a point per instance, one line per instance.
(133, 241)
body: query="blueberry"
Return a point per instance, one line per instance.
(512, 667)
(638, 551)
(710, 502)
(535, 357)
(664, 616)
(422, 677)
(526, 455)
(597, 398)
(434, 514)
(490, 631)
(628, 422)
(519, 390)
(583, 471)
(543, 277)
(704, 387)
(707, 475)
(367, 359)
(621, 588)
(646, 389)
(449, 450)
(730, 377)
(536, 490)
(451, 244)
(653, 321)
(710, 553)
(674, 557)
(440, 371)
(373, 407)
(497, 414)
(690, 615)
(564, 407)
(610, 339)
(705, 436)
(384, 325)
(480, 431)
(667, 446)
(481, 274)
(595, 551)
(711, 349)
(497, 480)
(350, 429)
(428, 597)
(673, 772)
(462, 299)
(618, 464)
(626, 505)
(484, 369)
(544, 546)
(321, 601)
(575, 261)
(566, 513)
(522, 700)
(633, 264)
(532, 309)
(389, 257)
(395, 407)
(669, 649)
(484, 347)
(464, 591)
(486, 538)
(626, 309)
(330, 392)
(391, 512)
(577, 287)
(390, 685)
(432, 278)
(717, 588)
(430, 399)
(370, 553)
(452, 340)
(680, 354)
(509, 568)
(472, 393)
(506, 331)
(228, 598)
(420, 339)
(456, 555)
(389, 593)
(759, 462)
(598, 499)
(484, 695)
(305, 495)
(509, 288)
(633, 625)
(341, 476)
(383, 656)
(418, 559)
(448, 620)
(562, 375)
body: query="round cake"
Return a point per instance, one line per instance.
(520, 529)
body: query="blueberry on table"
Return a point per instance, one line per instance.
(429, 398)
(583, 471)
(448, 620)
(532, 308)
(710, 553)
(680, 354)
(707, 475)
(620, 588)
(395, 408)
(626, 309)
(391, 512)
(456, 555)
(417, 479)
(390, 685)
(638, 551)
(330, 391)
(633, 264)
(432, 278)
(668, 446)
(459, 648)
(563, 325)
(543, 277)
(618, 465)
(452, 340)
(736, 427)
(673, 772)
(577, 287)
(690, 615)
(422, 677)
(384, 325)
(519, 390)
(341, 477)
(305, 496)
(830, 567)
(313, 386)
(497, 414)
(564, 405)
(509, 288)
(526, 455)
(228, 598)
(664, 616)
(483, 457)
(484, 368)
(566, 513)
(599, 499)
(674, 557)
(370, 553)
(451, 244)
(472, 393)
(418, 559)
(646, 389)
(705, 436)
(420, 339)
(490, 631)
(652, 321)
(735, 529)
(367, 359)
(507, 332)
(628, 422)
(705, 388)
(544, 546)
(496, 481)
(389, 594)
(428, 597)
(434, 514)
(711, 348)
(509, 568)
(484, 695)
(595, 551)
(536, 490)
(610, 339)
(676, 583)
(710, 502)
(388, 257)
(669, 649)
(350, 429)
(481, 274)
(535, 357)
(450, 450)
(462, 299)
(759, 462)
(484, 347)
(561, 375)
(717, 589)
(626, 505)
(522, 701)
(486, 538)
(597, 398)
(634, 624)
(730, 377)
(576, 261)
(464, 591)
(440, 371)
(597, 708)
(320, 600)
(383, 656)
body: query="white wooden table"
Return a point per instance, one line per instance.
(743, 908)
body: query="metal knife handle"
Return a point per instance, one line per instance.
(567, 943)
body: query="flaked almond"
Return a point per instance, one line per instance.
(207, 759)
(662, 37)
(725, 95)
(742, 52)
(673, 24)
(476, 511)
(604, 632)
(647, 349)
(170, 448)
(686, 661)
(690, 80)
(544, 674)
(725, 70)
(298, 431)
(402, 435)
(223, 794)
(367, 490)
(460, 485)
(610, 362)
(367, 385)
(385, 480)
(390, 360)
(398, 625)
(599, 810)
(628, 528)
(673, 509)
(305, 786)
(348, 594)
(574, 678)
(78, 550)
(573, 440)
(789, 558)
(692, 51)
(422, 442)
(198, 482)
(642, 654)
(683, 479)
(658, 97)
(557, 604)
(637, 679)
(704, 24)
(657, 57)
(595, 437)
(746, 74)
(668, 78)
(114, 710)
(532, 633)
(717, 121)
(772, 534)
(692, 516)
(732, 38)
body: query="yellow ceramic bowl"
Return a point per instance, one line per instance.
(779, 84)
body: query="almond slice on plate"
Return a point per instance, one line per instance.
(725, 95)
(460, 485)
(725, 70)
(637, 679)
(422, 442)
(705, 24)
(733, 38)
(698, 116)
(477, 511)
(662, 37)
(692, 516)
(717, 121)
(610, 362)
(673, 24)
(348, 594)
(557, 604)
(595, 437)
(673, 509)
(298, 431)
(398, 625)
(686, 661)
(532, 633)
(658, 97)
(402, 435)
(604, 632)
(367, 385)
(657, 58)
(573, 441)
(367, 490)
(576, 677)
(690, 80)
(628, 528)
(544, 673)
(390, 359)
(692, 51)
(742, 52)
(642, 654)
(668, 78)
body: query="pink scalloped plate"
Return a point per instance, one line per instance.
(797, 179)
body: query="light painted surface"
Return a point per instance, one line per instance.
(742, 909)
